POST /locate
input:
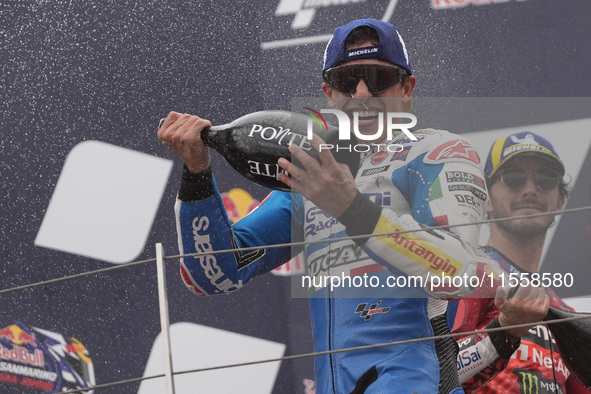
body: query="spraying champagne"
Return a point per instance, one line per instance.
(253, 143)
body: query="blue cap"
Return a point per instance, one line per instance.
(521, 143)
(391, 47)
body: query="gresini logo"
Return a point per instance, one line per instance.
(303, 15)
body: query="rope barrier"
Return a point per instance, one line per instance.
(328, 352)
(284, 245)
(442, 227)
(297, 244)
(74, 276)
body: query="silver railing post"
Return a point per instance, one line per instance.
(164, 322)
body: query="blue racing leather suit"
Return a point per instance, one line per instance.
(404, 185)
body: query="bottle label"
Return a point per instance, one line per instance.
(265, 169)
(280, 135)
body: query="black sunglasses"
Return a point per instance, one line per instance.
(378, 78)
(544, 179)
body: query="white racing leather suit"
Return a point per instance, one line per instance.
(433, 181)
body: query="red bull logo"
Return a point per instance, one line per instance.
(22, 355)
(17, 335)
(19, 338)
(35, 358)
(238, 204)
(7, 333)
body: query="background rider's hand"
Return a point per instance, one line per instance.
(329, 185)
(528, 305)
(182, 134)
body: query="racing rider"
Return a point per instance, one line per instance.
(524, 175)
(434, 179)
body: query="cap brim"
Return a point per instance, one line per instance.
(554, 161)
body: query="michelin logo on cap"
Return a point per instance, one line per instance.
(363, 51)
(504, 149)
(527, 143)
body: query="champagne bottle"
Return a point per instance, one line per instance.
(574, 342)
(253, 143)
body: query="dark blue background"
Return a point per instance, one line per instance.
(109, 70)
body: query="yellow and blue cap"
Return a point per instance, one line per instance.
(525, 142)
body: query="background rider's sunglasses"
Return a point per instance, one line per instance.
(378, 78)
(544, 179)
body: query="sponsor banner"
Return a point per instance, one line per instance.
(33, 358)
(299, 22)
(447, 4)
(439, 263)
